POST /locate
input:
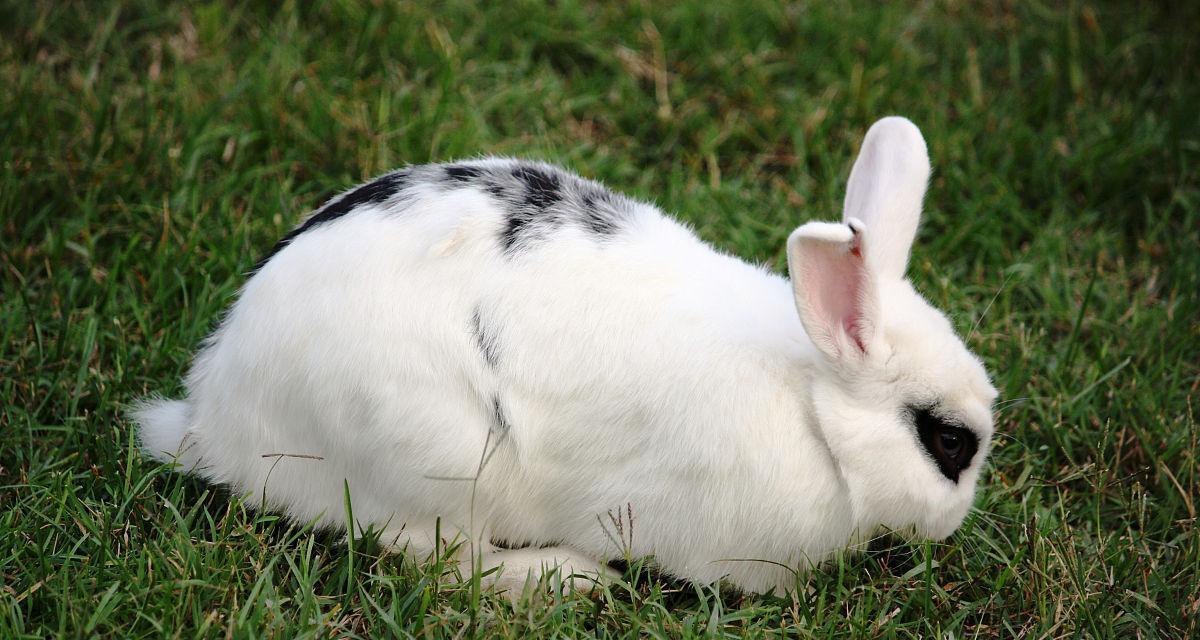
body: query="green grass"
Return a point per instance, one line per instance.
(151, 155)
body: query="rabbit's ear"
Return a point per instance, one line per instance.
(885, 190)
(835, 293)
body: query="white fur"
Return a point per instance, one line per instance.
(647, 374)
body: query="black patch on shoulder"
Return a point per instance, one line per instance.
(462, 174)
(376, 191)
(484, 339)
(952, 446)
(542, 188)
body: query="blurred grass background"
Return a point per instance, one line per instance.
(152, 152)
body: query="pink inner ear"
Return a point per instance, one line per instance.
(838, 277)
(852, 322)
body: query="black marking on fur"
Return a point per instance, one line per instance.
(590, 198)
(462, 174)
(540, 199)
(952, 446)
(511, 544)
(375, 192)
(515, 230)
(537, 200)
(542, 188)
(484, 339)
(499, 419)
(496, 434)
(495, 189)
(598, 215)
(530, 214)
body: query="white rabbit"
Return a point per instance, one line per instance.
(520, 353)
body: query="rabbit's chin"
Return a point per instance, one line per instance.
(935, 527)
(944, 527)
(940, 524)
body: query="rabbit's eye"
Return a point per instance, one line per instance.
(950, 445)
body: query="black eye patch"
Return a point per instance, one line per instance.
(950, 445)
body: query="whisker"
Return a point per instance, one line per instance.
(989, 306)
(1016, 402)
(1012, 400)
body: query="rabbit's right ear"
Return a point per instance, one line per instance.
(834, 289)
(885, 191)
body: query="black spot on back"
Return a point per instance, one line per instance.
(495, 189)
(598, 214)
(542, 188)
(375, 192)
(532, 211)
(461, 174)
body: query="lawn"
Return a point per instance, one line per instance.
(151, 154)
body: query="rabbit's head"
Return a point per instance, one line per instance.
(902, 404)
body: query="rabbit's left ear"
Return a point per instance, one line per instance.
(836, 268)
(834, 290)
(885, 191)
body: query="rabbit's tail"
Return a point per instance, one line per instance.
(164, 427)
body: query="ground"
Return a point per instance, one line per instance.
(152, 153)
